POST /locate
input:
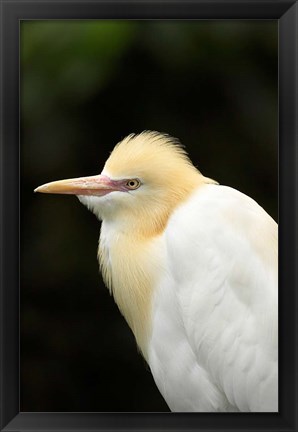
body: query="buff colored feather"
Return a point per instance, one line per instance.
(131, 277)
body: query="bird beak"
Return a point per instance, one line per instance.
(98, 185)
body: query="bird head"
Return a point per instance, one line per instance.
(144, 179)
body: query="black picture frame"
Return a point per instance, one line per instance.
(286, 12)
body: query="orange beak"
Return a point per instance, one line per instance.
(97, 185)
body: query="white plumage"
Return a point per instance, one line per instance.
(193, 267)
(214, 339)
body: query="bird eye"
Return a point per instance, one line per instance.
(133, 184)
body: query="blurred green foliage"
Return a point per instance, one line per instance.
(84, 86)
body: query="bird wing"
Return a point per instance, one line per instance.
(222, 257)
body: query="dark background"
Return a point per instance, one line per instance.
(84, 86)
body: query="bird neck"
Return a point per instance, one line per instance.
(132, 256)
(131, 267)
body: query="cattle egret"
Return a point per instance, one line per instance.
(192, 266)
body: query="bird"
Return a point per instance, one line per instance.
(193, 267)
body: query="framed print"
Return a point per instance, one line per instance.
(76, 79)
